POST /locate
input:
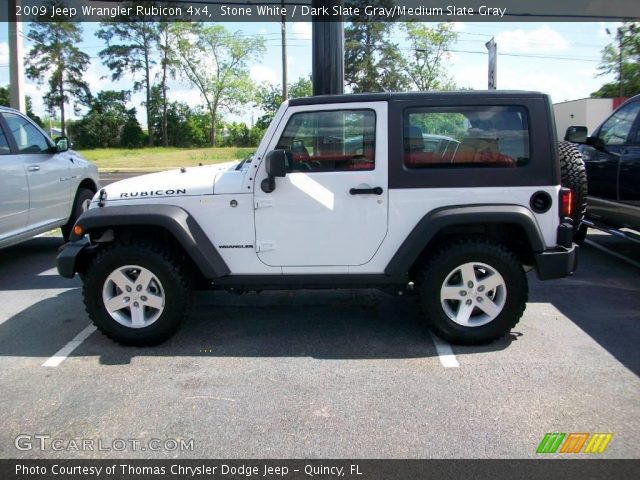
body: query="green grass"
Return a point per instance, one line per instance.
(160, 158)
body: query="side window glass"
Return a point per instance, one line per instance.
(484, 136)
(615, 130)
(28, 138)
(330, 141)
(4, 144)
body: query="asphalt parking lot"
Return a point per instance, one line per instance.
(322, 374)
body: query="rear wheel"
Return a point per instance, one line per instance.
(473, 291)
(136, 294)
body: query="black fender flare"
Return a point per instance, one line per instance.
(174, 219)
(443, 217)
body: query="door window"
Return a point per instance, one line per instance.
(27, 136)
(4, 144)
(615, 130)
(330, 141)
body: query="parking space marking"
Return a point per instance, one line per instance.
(611, 252)
(65, 351)
(48, 273)
(445, 353)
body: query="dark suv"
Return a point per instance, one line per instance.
(612, 158)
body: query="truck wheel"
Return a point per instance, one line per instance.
(80, 205)
(573, 175)
(136, 294)
(473, 291)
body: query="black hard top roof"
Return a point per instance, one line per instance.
(408, 96)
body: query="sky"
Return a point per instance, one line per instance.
(560, 59)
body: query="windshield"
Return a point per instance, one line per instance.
(245, 160)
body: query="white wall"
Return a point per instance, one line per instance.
(586, 111)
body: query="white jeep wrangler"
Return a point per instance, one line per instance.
(453, 195)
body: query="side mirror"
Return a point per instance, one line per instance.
(62, 144)
(276, 166)
(576, 134)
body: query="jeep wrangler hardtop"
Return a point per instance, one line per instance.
(453, 195)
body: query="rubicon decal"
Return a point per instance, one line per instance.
(235, 246)
(154, 193)
(574, 442)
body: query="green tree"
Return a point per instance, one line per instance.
(56, 56)
(216, 62)
(425, 64)
(131, 49)
(102, 126)
(132, 135)
(186, 126)
(622, 58)
(269, 98)
(168, 63)
(372, 62)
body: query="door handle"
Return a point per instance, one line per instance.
(33, 168)
(366, 191)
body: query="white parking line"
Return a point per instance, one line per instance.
(65, 351)
(611, 252)
(445, 353)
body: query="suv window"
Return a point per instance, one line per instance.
(330, 141)
(485, 136)
(615, 130)
(4, 144)
(28, 138)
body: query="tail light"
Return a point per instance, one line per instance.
(566, 202)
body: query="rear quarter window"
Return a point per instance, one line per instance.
(459, 137)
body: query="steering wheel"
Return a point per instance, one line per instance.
(300, 152)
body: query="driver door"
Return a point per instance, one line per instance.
(330, 210)
(14, 192)
(48, 173)
(603, 164)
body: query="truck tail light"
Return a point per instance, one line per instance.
(566, 202)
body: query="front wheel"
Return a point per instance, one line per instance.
(473, 292)
(136, 294)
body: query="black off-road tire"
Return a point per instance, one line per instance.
(453, 255)
(574, 176)
(169, 271)
(79, 203)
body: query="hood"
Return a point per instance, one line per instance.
(170, 183)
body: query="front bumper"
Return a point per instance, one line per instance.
(67, 260)
(557, 263)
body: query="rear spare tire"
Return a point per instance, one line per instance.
(574, 176)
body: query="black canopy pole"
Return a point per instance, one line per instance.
(328, 51)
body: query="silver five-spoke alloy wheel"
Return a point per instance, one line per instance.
(133, 296)
(473, 294)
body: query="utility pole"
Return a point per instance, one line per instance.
(16, 64)
(492, 48)
(285, 88)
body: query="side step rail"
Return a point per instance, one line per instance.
(627, 235)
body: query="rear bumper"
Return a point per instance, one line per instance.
(557, 263)
(67, 260)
